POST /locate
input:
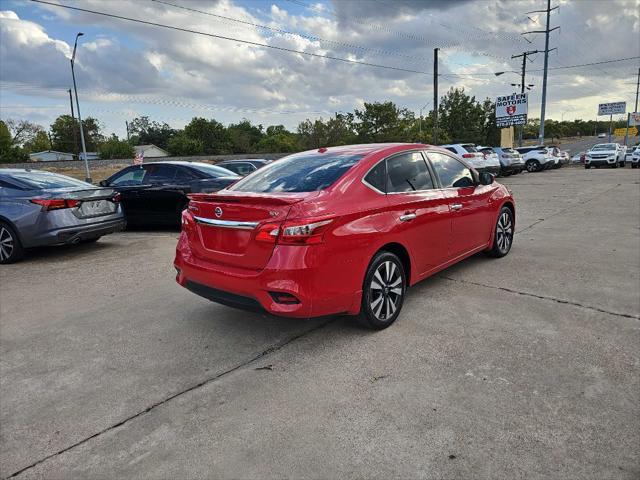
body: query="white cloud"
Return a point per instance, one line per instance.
(134, 60)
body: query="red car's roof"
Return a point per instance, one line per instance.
(367, 148)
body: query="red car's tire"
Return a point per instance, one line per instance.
(383, 291)
(503, 236)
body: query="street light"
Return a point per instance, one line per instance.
(75, 89)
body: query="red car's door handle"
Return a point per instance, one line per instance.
(407, 217)
(456, 206)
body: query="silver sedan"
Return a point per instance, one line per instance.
(40, 208)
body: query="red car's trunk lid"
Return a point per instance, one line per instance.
(227, 223)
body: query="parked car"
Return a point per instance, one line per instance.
(243, 167)
(578, 157)
(605, 154)
(155, 193)
(536, 158)
(39, 208)
(341, 230)
(635, 158)
(602, 135)
(469, 152)
(556, 155)
(629, 153)
(511, 162)
(491, 160)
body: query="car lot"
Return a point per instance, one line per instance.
(526, 366)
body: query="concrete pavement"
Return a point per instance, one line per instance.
(524, 367)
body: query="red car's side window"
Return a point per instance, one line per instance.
(452, 172)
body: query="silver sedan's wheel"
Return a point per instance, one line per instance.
(383, 291)
(10, 248)
(7, 244)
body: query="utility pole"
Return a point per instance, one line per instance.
(546, 31)
(84, 147)
(127, 125)
(522, 84)
(73, 127)
(435, 96)
(626, 136)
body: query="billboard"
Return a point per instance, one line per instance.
(511, 110)
(612, 108)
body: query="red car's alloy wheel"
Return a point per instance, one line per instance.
(503, 237)
(383, 292)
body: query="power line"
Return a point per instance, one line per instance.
(296, 34)
(232, 39)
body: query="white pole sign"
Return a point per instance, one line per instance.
(511, 110)
(612, 108)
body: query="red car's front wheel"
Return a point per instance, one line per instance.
(503, 237)
(383, 291)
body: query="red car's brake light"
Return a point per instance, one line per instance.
(268, 233)
(310, 233)
(468, 155)
(55, 203)
(294, 233)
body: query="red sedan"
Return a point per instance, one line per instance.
(341, 230)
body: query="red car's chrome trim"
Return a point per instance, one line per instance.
(226, 223)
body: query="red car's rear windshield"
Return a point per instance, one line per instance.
(303, 172)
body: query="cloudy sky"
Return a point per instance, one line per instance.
(126, 69)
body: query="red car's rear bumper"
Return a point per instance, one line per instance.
(292, 269)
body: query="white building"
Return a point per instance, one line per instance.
(49, 156)
(150, 151)
(90, 156)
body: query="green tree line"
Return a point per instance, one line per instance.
(461, 118)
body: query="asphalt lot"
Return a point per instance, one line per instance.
(524, 367)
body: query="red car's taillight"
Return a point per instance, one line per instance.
(187, 221)
(309, 232)
(55, 203)
(268, 233)
(468, 155)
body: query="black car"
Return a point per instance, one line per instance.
(155, 193)
(243, 166)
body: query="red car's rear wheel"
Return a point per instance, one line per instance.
(383, 291)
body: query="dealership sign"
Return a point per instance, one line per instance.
(612, 108)
(511, 110)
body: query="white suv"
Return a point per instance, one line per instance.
(537, 158)
(607, 154)
(629, 155)
(479, 160)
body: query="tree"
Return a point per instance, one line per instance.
(181, 144)
(490, 131)
(461, 117)
(278, 139)
(38, 143)
(211, 133)
(10, 153)
(145, 132)
(383, 122)
(318, 133)
(115, 148)
(64, 139)
(244, 136)
(22, 131)
(312, 134)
